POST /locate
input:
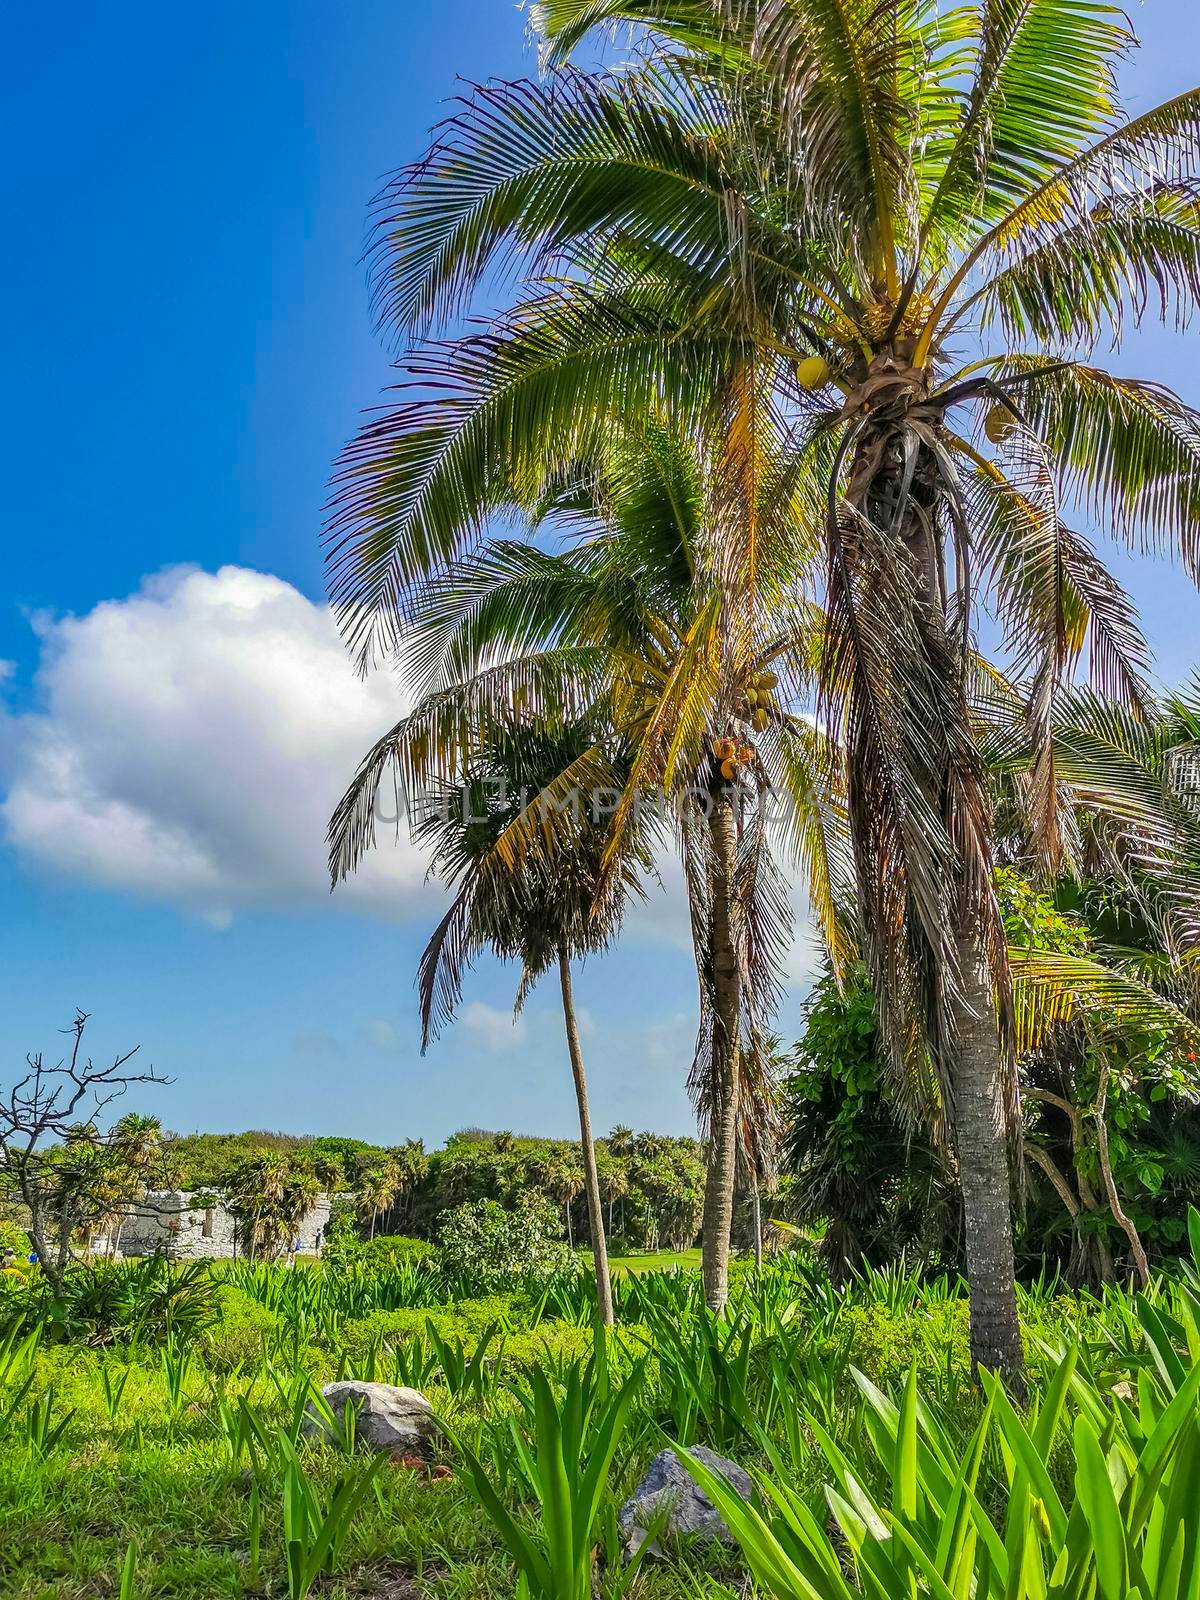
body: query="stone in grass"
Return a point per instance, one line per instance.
(668, 1483)
(387, 1418)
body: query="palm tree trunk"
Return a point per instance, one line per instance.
(758, 1250)
(982, 1138)
(727, 1003)
(591, 1174)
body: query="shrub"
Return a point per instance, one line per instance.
(243, 1325)
(382, 1254)
(355, 1338)
(884, 1343)
(492, 1246)
(14, 1241)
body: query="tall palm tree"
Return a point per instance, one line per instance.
(889, 225)
(625, 624)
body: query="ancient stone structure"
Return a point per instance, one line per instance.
(173, 1223)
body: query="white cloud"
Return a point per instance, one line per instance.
(190, 743)
(495, 1030)
(380, 1034)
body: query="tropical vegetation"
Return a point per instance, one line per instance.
(843, 267)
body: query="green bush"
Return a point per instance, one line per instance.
(356, 1337)
(391, 1250)
(884, 1343)
(242, 1326)
(484, 1242)
(14, 1241)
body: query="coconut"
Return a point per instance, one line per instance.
(814, 372)
(999, 424)
(759, 720)
(729, 769)
(768, 680)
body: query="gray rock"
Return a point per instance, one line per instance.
(668, 1483)
(387, 1418)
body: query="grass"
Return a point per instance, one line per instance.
(156, 1456)
(660, 1261)
(169, 1489)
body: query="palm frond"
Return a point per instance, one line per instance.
(414, 489)
(524, 170)
(1080, 284)
(1050, 989)
(1129, 451)
(1042, 88)
(441, 734)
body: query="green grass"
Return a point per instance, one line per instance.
(66, 1522)
(661, 1261)
(173, 1481)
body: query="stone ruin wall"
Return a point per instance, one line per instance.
(167, 1222)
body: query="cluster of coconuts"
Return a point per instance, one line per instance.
(759, 699)
(732, 755)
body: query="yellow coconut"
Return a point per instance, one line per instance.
(999, 424)
(725, 749)
(729, 769)
(768, 680)
(814, 372)
(751, 697)
(760, 720)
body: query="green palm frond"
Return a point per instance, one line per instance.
(1079, 284)
(525, 169)
(1132, 777)
(1159, 147)
(1047, 575)
(1128, 450)
(847, 63)
(696, 25)
(442, 734)
(1050, 989)
(1042, 89)
(517, 838)
(415, 487)
(508, 598)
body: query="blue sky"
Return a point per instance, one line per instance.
(187, 346)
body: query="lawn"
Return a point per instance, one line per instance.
(659, 1261)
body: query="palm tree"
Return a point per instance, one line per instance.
(623, 626)
(807, 209)
(378, 1187)
(543, 910)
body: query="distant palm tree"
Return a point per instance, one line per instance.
(378, 1186)
(885, 222)
(543, 911)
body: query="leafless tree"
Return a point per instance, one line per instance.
(56, 1158)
